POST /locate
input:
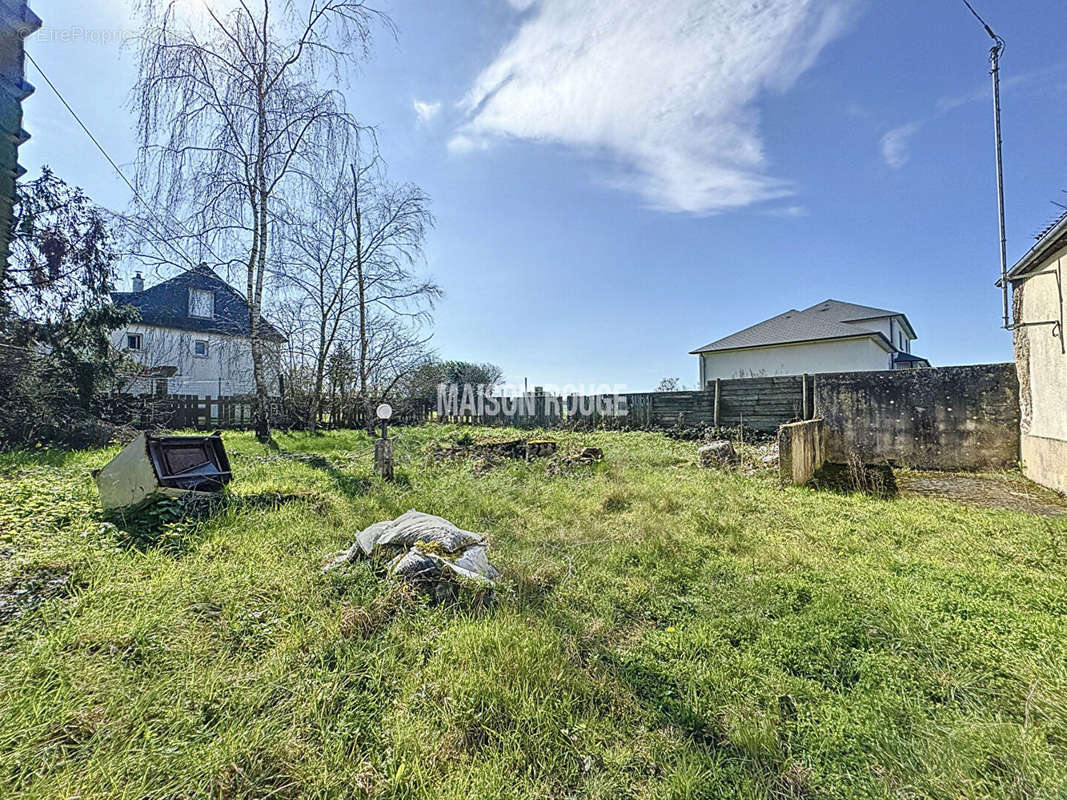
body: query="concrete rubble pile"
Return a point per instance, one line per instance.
(718, 455)
(427, 551)
(769, 455)
(722, 455)
(521, 449)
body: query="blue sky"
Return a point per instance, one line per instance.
(617, 183)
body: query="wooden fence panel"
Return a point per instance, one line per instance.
(761, 403)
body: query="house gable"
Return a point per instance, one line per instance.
(853, 314)
(830, 320)
(831, 336)
(180, 304)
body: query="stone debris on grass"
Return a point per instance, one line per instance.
(748, 459)
(769, 455)
(718, 455)
(486, 455)
(564, 463)
(589, 455)
(521, 449)
(427, 551)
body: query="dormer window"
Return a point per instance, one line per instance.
(201, 304)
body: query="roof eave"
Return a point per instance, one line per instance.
(911, 328)
(902, 356)
(880, 337)
(893, 315)
(272, 335)
(1045, 246)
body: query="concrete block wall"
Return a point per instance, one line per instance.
(953, 418)
(801, 451)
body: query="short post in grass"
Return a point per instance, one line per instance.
(383, 448)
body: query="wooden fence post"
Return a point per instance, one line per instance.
(804, 389)
(383, 458)
(718, 389)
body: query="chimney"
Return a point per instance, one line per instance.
(138, 283)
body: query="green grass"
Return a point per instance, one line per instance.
(662, 632)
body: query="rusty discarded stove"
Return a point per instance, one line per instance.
(169, 466)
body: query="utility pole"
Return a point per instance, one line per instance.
(994, 59)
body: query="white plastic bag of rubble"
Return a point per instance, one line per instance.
(419, 567)
(368, 538)
(413, 527)
(476, 560)
(458, 557)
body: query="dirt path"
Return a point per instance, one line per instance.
(1010, 492)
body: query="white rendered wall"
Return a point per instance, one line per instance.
(846, 355)
(225, 371)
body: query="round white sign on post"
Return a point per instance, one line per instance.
(385, 411)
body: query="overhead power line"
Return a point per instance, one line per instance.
(985, 24)
(994, 57)
(114, 165)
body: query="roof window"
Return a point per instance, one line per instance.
(201, 304)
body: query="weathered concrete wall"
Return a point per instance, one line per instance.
(800, 451)
(954, 418)
(1042, 364)
(1045, 461)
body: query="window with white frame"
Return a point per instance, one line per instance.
(201, 304)
(200, 349)
(134, 341)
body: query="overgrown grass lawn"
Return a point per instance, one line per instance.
(662, 631)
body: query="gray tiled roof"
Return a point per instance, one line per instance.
(850, 312)
(1048, 241)
(831, 319)
(166, 305)
(910, 358)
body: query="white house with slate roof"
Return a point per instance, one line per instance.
(193, 337)
(828, 337)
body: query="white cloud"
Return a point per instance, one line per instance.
(896, 145)
(1035, 80)
(788, 212)
(668, 91)
(426, 111)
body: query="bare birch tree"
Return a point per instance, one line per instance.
(232, 114)
(390, 222)
(394, 350)
(319, 274)
(351, 263)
